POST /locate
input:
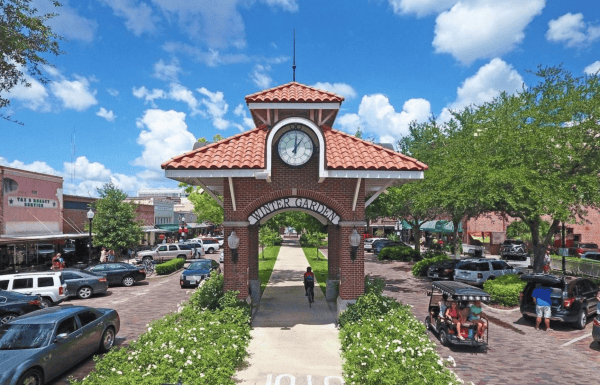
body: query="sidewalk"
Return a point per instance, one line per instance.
(292, 343)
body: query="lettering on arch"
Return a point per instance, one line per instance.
(293, 203)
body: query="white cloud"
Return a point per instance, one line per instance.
(592, 68)
(83, 169)
(108, 115)
(169, 72)
(74, 94)
(571, 30)
(138, 15)
(151, 175)
(342, 89)
(164, 135)
(34, 97)
(420, 7)
(148, 96)
(288, 5)
(112, 92)
(211, 57)
(474, 29)
(241, 111)
(37, 166)
(491, 79)
(216, 107)
(181, 94)
(260, 76)
(377, 115)
(67, 23)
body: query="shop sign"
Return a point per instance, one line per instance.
(293, 203)
(32, 202)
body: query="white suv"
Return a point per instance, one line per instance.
(49, 285)
(166, 251)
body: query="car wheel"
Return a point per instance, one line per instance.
(128, 281)
(31, 377)
(428, 323)
(581, 320)
(147, 259)
(84, 292)
(108, 340)
(7, 318)
(444, 337)
(210, 251)
(45, 302)
(182, 256)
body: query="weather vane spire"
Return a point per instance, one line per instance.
(294, 65)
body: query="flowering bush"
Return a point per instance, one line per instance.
(200, 345)
(388, 345)
(420, 268)
(170, 266)
(505, 289)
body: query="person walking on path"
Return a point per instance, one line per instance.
(547, 260)
(103, 255)
(111, 255)
(541, 298)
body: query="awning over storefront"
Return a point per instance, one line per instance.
(168, 227)
(439, 226)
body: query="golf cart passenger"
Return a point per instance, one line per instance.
(454, 314)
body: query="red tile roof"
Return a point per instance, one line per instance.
(294, 92)
(242, 151)
(347, 152)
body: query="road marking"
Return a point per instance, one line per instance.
(292, 379)
(576, 339)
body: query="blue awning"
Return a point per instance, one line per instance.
(440, 226)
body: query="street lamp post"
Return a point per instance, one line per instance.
(90, 215)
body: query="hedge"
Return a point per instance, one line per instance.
(505, 289)
(420, 268)
(170, 266)
(384, 343)
(204, 342)
(398, 253)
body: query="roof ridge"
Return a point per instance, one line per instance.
(377, 145)
(211, 145)
(288, 85)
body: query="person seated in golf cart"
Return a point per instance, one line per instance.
(478, 318)
(452, 313)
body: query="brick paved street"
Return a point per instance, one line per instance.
(518, 354)
(137, 306)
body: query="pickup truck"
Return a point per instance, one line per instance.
(473, 250)
(210, 245)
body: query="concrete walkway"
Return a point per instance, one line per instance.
(292, 344)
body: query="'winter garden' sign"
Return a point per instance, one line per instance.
(294, 203)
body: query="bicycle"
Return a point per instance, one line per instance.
(148, 267)
(311, 296)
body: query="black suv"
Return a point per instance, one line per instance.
(573, 298)
(513, 249)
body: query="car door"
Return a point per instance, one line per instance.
(117, 272)
(72, 280)
(588, 291)
(91, 331)
(65, 353)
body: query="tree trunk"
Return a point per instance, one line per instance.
(455, 250)
(417, 232)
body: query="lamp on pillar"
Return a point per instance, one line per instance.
(354, 243)
(90, 216)
(233, 241)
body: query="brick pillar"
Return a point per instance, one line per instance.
(333, 257)
(352, 273)
(253, 263)
(237, 274)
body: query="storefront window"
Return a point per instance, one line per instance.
(9, 185)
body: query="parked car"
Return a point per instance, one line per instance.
(591, 255)
(197, 271)
(514, 250)
(39, 346)
(222, 257)
(166, 251)
(210, 245)
(219, 239)
(596, 328)
(583, 248)
(83, 284)
(197, 249)
(443, 270)
(573, 298)
(119, 273)
(369, 243)
(14, 304)
(477, 271)
(49, 285)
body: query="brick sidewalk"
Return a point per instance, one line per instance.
(518, 354)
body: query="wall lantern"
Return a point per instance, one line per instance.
(354, 243)
(233, 241)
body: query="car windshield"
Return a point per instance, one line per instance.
(19, 336)
(199, 265)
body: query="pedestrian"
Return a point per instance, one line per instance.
(541, 298)
(547, 260)
(57, 262)
(111, 255)
(103, 255)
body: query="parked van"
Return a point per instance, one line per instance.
(50, 285)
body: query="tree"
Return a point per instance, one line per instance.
(267, 237)
(205, 207)
(315, 239)
(24, 38)
(115, 225)
(520, 230)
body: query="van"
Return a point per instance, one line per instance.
(50, 285)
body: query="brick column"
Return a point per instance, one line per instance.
(237, 274)
(253, 263)
(352, 272)
(333, 257)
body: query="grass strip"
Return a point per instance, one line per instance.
(266, 262)
(319, 267)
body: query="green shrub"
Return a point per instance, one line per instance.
(375, 285)
(420, 268)
(198, 345)
(505, 289)
(432, 254)
(277, 242)
(386, 344)
(170, 266)
(398, 253)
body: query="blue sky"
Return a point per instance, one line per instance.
(141, 80)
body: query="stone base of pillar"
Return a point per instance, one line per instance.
(342, 304)
(331, 290)
(255, 290)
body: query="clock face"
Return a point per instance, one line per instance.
(295, 148)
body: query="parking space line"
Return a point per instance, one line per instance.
(576, 339)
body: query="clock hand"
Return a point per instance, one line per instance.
(295, 144)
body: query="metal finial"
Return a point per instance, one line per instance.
(294, 65)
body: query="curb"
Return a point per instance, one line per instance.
(156, 276)
(493, 309)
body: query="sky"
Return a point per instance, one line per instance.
(141, 80)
